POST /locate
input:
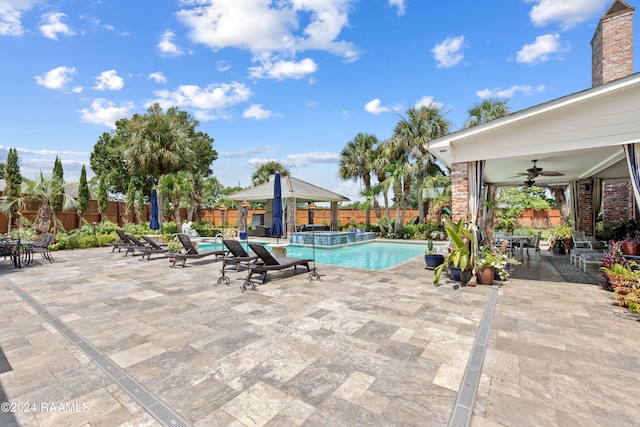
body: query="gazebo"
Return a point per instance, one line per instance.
(293, 191)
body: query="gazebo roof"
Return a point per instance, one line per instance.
(291, 188)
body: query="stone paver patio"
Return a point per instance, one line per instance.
(359, 348)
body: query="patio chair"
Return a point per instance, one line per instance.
(273, 264)
(581, 240)
(123, 243)
(535, 244)
(238, 254)
(153, 248)
(40, 246)
(190, 251)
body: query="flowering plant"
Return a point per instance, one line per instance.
(500, 261)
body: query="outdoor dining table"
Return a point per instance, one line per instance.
(11, 248)
(518, 240)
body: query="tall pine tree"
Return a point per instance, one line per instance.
(84, 196)
(13, 179)
(57, 192)
(103, 198)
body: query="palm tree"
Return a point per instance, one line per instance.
(262, 171)
(42, 190)
(413, 132)
(487, 110)
(158, 145)
(174, 187)
(356, 162)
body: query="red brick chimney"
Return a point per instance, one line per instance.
(612, 45)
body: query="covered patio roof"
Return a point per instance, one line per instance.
(579, 135)
(291, 188)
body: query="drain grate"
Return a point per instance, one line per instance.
(461, 415)
(154, 406)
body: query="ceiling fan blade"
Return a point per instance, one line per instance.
(519, 175)
(551, 173)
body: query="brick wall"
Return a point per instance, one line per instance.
(617, 199)
(585, 206)
(612, 47)
(459, 191)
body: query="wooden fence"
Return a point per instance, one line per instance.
(116, 213)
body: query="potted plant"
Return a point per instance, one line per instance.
(631, 245)
(431, 258)
(560, 239)
(493, 265)
(460, 255)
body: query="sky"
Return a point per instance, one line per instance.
(286, 80)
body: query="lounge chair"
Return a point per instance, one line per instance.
(136, 245)
(123, 243)
(239, 254)
(152, 248)
(273, 264)
(190, 251)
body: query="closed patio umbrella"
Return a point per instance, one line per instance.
(276, 224)
(154, 224)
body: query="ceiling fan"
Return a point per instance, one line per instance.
(534, 172)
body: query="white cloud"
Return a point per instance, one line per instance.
(567, 14)
(400, 5)
(271, 31)
(10, 15)
(103, 112)
(223, 66)
(52, 25)
(284, 69)
(256, 112)
(56, 78)
(448, 53)
(109, 80)
(167, 46)
(158, 77)
(302, 159)
(509, 92)
(427, 101)
(374, 107)
(540, 50)
(213, 97)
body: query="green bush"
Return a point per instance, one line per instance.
(169, 227)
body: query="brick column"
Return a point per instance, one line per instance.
(617, 202)
(459, 191)
(585, 207)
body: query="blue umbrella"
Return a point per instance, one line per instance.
(276, 225)
(154, 224)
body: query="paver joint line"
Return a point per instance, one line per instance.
(461, 415)
(154, 406)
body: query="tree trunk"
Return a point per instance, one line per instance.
(559, 193)
(42, 223)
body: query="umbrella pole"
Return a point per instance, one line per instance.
(314, 274)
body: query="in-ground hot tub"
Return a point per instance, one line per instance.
(329, 238)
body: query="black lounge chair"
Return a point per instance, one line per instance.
(273, 264)
(190, 251)
(152, 248)
(239, 254)
(136, 245)
(124, 242)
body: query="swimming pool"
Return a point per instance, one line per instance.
(370, 256)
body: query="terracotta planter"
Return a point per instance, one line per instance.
(485, 275)
(631, 248)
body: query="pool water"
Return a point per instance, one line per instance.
(370, 256)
